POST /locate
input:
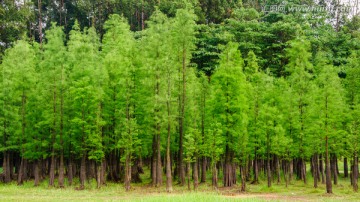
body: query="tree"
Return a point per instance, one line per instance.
(53, 82)
(351, 84)
(18, 81)
(230, 107)
(302, 101)
(330, 109)
(83, 59)
(161, 75)
(183, 36)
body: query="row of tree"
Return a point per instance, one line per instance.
(105, 108)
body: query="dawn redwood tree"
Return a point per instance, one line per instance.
(352, 86)
(83, 90)
(183, 43)
(330, 103)
(160, 108)
(204, 94)
(52, 70)
(255, 93)
(301, 100)
(230, 106)
(269, 121)
(193, 138)
(121, 54)
(114, 39)
(18, 80)
(24, 80)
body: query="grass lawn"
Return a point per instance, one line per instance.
(297, 191)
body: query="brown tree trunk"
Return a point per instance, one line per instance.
(346, 169)
(98, 175)
(291, 170)
(196, 174)
(61, 171)
(158, 163)
(168, 157)
(36, 173)
(103, 172)
(268, 171)
(243, 177)
(188, 166)
(127, 173)
(278, 169)
(256, 170)
(355, 173)
(52, 170)
(315, 169)
(327, 168)
(6, 167)
(321, 168)
(333, 168)
(21, 172)
(154, 161)
(303, 169)
(70, 172)
(203, 170)
(83, 171)
(228, 169)
(40, 22)
(214, 175)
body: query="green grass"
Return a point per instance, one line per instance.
(143, 192)
(296, 191)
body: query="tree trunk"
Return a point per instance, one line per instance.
(70, 172)
(20, 180)
(188, 166)
(36, 173)
(268, 170)
(228, 169)
(40, 22)
(214, 175)
(355, 173)
(278, 169)
(243, 177)
(83, 171)
(154, 161)
(321, 168)
(346, 169)
(315, 168)
(333, 168)
(6, 167)
(203, 170)
(303, 169)
(158, 163)
(168, 157)
(103, 172)
(52, 170)
(327, 168)
(127, 173)
(196, 174)
(256, 171)
(61, 171)
(98, 175)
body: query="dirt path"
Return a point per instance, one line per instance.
(272, 197)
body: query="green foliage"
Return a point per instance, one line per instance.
(229, 103)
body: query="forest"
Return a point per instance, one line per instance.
(186, 91)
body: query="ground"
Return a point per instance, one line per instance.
(297, 191)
